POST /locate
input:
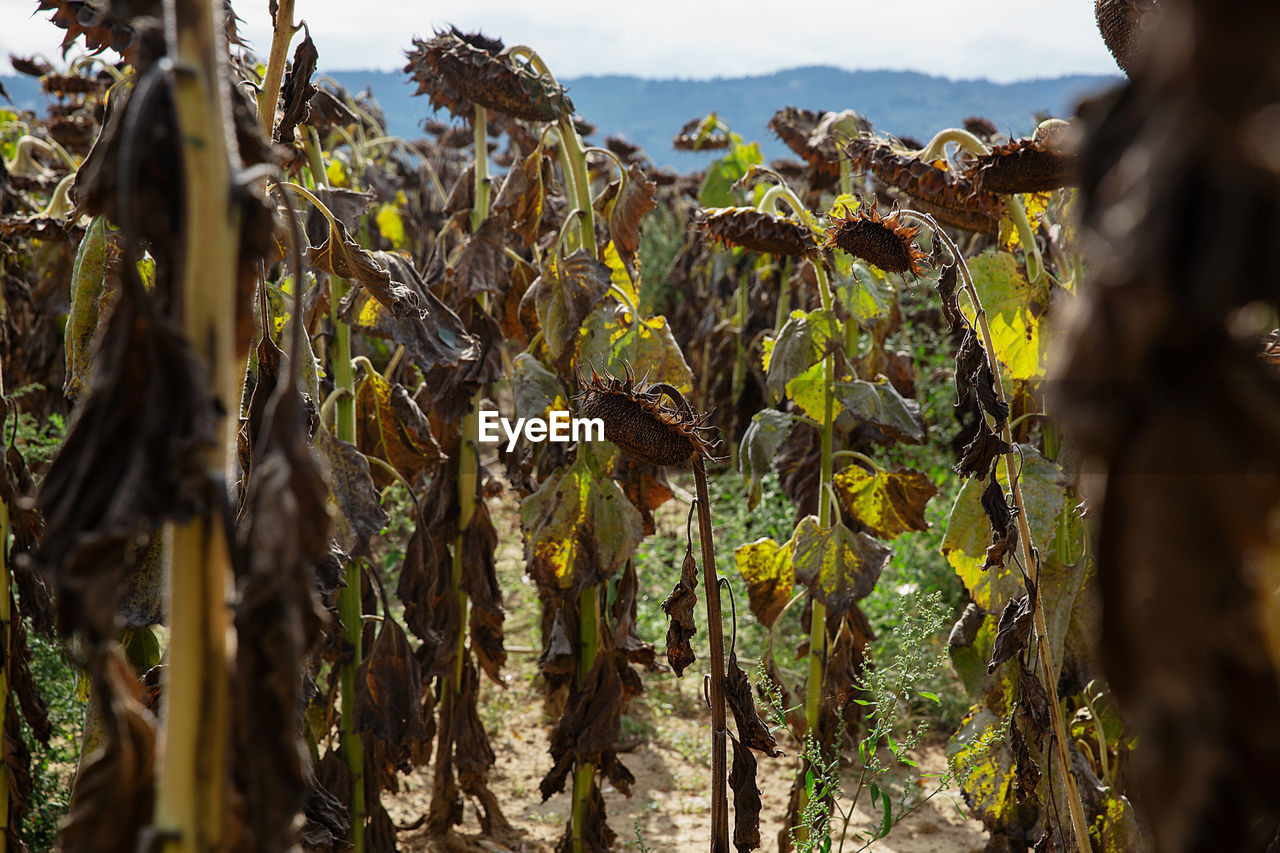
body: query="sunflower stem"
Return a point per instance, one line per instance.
(190, 812)
(588, 646)
(1078, 823)
(818, 613)
(350, 602)
(283, 31)
(480, 209)
(715, 636)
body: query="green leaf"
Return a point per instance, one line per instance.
(717, 186)
(766, 567)
(866, 294)
(879, 403)
(1014, 311)
(889, 503)
(89, 296)
(579, 528)
(839, 566)
(801, 342)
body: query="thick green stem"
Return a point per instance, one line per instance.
(282, 34)
(588, 646)
(575, 163)
(480, 209)
(350, 605)
(739, 365)
(715, 637)
(818, 613)
(191, 787)
(1078, 823)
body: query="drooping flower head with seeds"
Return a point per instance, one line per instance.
(641, 423)
(757, 231)
(888, 242)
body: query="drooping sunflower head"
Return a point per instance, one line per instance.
(458, 69)
(757, 231)
(640, 423)
(888, 242)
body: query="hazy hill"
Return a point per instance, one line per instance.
(650, 111)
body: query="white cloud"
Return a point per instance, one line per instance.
(999, 39)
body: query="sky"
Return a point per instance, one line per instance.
(1002, 40)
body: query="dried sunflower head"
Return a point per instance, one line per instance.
(640, 423)
(759, 232)
(1121, 25)
(701, 134)
(888, 242)
(457, 70)
(1028, 165)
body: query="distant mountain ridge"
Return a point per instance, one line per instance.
(649, 112)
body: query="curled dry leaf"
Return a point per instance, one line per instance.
(115, 789)
(746, 798)
(391, 427)
(679, 607)
(1004, 527)
(297, 91)
(1013, 632)
(752, 731)
(358, 513)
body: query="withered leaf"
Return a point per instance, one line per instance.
(391, 427)
(297, 90)
(590, 725)
(131, 460)
(1013, 632)
(1004, 527)
(946, 287)
(358, 514)
(679, 607)
(343, 257)
(480, 582)
(644, 484)
(1026, 771)
(17, 764)
(746, 798)
(557, 662)
(1033, 700)
(483, 265)
(981, 451)
(635, 199)
(752, 730)
(563, 296)
(389, 694)
(328, 823)
(522, 198)
(433, 335)
(579, 528)
(18, 670)
(115, 789)
(625, 638)
(283, 533)
(770, 577)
